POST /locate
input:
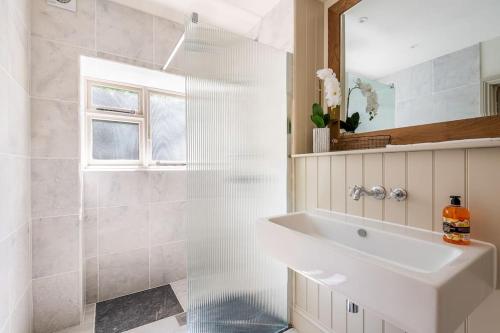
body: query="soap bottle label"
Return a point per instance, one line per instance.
(456, 230)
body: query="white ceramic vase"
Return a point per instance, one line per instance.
(321, 140)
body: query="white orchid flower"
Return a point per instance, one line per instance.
(333, 92)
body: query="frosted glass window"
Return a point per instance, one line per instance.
(115, 99)
(112, 140)
(168, 127)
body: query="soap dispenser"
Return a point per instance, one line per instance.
(456, 222)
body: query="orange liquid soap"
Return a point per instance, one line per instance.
(456, 223)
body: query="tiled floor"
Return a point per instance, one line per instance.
(170, 324)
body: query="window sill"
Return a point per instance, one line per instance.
(134, 168)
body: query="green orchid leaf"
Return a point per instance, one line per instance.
(326, 119)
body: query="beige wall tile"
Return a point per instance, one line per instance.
(167, 34)
(55, 187)
(167, 186)
(449, 179)
(56, 245)
(4, 281)
(395, 176)
(123, 188)
(373, 176)
(354, 176)
(324, 182)
(90, 189)
(311, 182)
(55, 70)
(55, 129)
(75, 28)
(5, 81)
(420, 182)
(22, 317)
(300, 184)
(338, 184)
(56, 302)
(91, 281)
(4, 36)
(167, 222)
(124, 31)
(168, 263)
(90, 233)
(18, 44)
(15, 191)
(123, 273)
(122, 229)
(18, 120)
(20, 259)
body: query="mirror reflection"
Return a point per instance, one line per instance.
(425, 62)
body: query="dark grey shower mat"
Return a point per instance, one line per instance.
(131, 311)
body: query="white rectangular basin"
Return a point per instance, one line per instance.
(408, 276)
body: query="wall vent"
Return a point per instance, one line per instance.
(64, 4)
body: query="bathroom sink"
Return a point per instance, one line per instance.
(409, 276)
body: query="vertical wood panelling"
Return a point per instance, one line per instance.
(449, 179)
(325, 306)
(300, 291)
(308, 57)
(300, 184)
(420, 207)
(338, 183)
(486, 319)
(430, 178)
(324, 182)
(483, 199)
(395, 176)
(312, 299)
(373, 323)
(389, 328)
(354, 176)
(311, 182)
(461, 329)
(373, 174)
(339, 313)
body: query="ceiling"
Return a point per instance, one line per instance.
(400, 34)
(238, 16)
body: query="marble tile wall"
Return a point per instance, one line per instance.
(58, 38)
(443, 89)
(15, 222)
(133, 231)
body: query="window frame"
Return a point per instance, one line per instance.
(141, 117)
(149, 92)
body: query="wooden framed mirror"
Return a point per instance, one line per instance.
(424, 38)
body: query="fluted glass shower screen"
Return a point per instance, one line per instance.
(236, 106)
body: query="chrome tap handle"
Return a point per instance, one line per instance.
(398, 194)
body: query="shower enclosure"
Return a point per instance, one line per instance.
(236, 97)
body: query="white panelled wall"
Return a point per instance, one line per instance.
(430, 177)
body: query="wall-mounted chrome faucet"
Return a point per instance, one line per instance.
(378, 192)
